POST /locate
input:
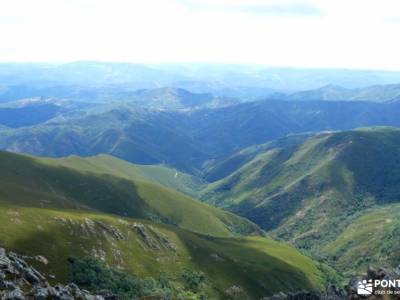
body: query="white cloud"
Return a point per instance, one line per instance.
(271, 8)
(324, 33)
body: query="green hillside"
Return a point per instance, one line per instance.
(107, 164)
(97, 207)
(106, 185)
(258, 265)
(372, 238)
(187, 140)
(218, 169)
(309, 193)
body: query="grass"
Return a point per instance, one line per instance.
(260, 265)
(312, 194)
(108, 185)
(53, 208)
(107, 164)
(372, 239)
(254, 190)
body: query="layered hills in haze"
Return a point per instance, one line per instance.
(87, 80)
(376, 93)
(189, 181)
(188, 139)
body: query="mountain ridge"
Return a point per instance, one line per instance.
(374, 93)
(188, 140)
(309, 193)
(66, 184)
(59, 209)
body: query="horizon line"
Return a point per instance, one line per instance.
(177, 63)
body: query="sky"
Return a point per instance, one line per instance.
(354, 34)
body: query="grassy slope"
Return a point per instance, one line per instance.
(372, 238)
(218, 169)
(268, 174)
(260, 265)
(48, 209)
(102, 163)
(309, 194)
(109, 188)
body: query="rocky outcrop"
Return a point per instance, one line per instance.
(111, 230)
(20, 281)
(236, 293)
(153, 239)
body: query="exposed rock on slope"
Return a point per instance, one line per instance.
(19, 281)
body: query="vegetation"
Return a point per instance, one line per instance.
(95, 275)
(305, 189)
(107, 185)
(194, 263)
(28, 115)
(188, 140)
(106, 164)
(194, 280)
(311, 193)
(113, 208)
(370, 239)
(61, 209)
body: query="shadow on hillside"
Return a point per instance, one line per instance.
(40, 185)
(229, 262)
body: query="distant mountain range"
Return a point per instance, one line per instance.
(176, 98)
(376, 93)
(298, 172)
(187, 139)
(96, 80)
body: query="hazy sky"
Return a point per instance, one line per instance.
(321, 33)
